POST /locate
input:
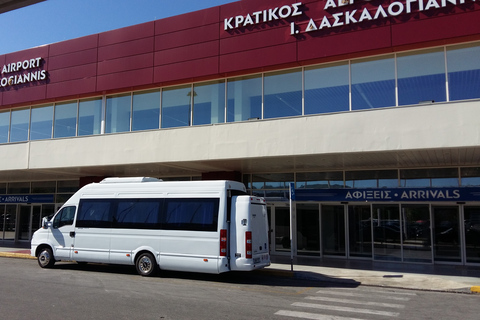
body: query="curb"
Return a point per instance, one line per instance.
(16, 255)
(475, 289)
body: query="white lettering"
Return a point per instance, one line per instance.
(248, 20)
(365, 15)
(380, 11)
(399, 10)
(432, 3)
(311, 26)
(330, 4)
(337, 22)
(228, 24)
(296, 9)
(325, 23)
(349, 17)
(284, 14)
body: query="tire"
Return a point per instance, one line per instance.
(45, 258)
(146, 264)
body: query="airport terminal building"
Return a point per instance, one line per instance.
(371, 109)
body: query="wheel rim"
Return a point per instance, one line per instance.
(145, 264)
(44, 258)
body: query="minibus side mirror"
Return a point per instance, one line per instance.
(45, 223)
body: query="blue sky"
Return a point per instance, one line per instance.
(58, 20)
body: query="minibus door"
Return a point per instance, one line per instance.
(63, 233)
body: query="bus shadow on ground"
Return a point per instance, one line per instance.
(256, 277)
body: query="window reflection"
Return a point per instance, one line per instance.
(373, 83)
(470, 177)
(463, 72)
(387, 232)
(118, 113)
(244, 98)
(41, 123)
(19, 125)
(371, 179)
(4, 125)
(65, 120)
(209, 103)
(421, 77)
(319, 180)
(326, 89)
(146, 110)
(283, 94)
(89, 117)
(176, 104)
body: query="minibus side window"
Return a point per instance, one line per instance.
(64, 217)
(191, 214)
(94, 213)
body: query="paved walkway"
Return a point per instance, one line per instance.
(451, 278)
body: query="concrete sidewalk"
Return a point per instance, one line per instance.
(450, 278)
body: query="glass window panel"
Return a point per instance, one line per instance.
(3, 188)
(41, 123)
(244, 97)
(67, 186)
(209, 103)
(463, 71)
(65, 120)
(372, 179)
(319, 180)
(44, 187)
(118, 113)
(472, 234)
(417, 244)
(18, 187)
(176, 104)
(272, 180)
(421, 77)
(360, 231)
(146, 110)
(89, 117)
(387, 232)
(418, 178)
(4, 126)
(373, 83)
(470, 177)
(283, 94)
(19, 125)
(326, 89)
(308, 229)
(333, 230)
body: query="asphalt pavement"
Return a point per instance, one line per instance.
(430, 277)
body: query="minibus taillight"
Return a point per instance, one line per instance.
(223, 243)
(248, 244)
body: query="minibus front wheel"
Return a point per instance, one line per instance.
(146, 264)
(45, 258)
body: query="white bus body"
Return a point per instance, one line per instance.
(196, 226)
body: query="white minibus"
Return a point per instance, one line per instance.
(197, 226)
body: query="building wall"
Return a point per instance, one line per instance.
(195, 46)
(384, 130)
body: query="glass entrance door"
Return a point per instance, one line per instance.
(446, 235)
(360, 231)
(280, 219)
(333, 230)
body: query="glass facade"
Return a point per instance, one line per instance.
(244, 98)
(65, 120)
(282, 94)
(327, 88)
(373, 83)
(41, 123)
(410, 78)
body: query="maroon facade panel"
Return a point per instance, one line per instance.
(188, 21)
(75, 45)
(245, 36)
(143, 30)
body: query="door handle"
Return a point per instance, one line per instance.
(72, 234)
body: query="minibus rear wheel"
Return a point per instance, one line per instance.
(146, 264)
(45, 258)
